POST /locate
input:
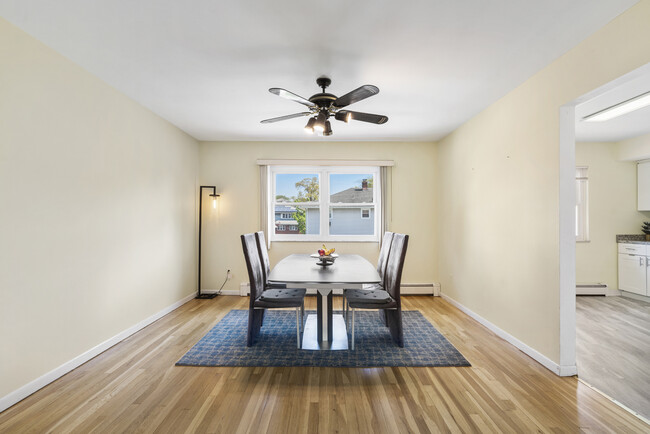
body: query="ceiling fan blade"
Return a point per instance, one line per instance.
(347, 115)
(356, 95)
(292, 96)
(284, 118)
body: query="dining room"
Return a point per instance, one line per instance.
(181, 253)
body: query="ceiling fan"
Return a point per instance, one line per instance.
(323, 105)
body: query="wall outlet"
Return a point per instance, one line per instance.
(229, 275)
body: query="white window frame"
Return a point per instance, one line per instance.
(365, 209)
(582, 204)
(324, 204)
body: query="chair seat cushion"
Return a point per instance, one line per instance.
(371, 296)
(282, 297)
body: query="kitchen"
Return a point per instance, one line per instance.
(612, 250)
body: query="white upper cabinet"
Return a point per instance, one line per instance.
(643, 186)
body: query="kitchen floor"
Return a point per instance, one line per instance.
(613, 348)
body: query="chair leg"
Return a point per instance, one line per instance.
(352, 329)
(302, 316)
(298, 327)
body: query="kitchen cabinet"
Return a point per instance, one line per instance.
(634, 268)
(643, 186)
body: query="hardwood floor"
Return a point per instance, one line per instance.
(135, 387)
(613, 348)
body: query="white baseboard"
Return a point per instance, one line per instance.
(223, 291)
(563, 371)
(42, 381)
(635, 296)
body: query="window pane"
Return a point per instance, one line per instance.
(296, 220)
(352, 220)
(351, 188)
(292, 187)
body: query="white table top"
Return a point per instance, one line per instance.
(347, 269)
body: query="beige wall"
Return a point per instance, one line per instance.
(637, 148)
(612, 210)
(498, 188)
(232, 168)
(97, 209)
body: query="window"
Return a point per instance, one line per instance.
(582, 204)
(311, 196)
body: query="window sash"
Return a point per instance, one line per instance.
(324, 203)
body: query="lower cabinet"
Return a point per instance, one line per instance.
(633, 268)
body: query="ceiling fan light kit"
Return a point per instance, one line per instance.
(324, 105)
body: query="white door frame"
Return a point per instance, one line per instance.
(567, 200)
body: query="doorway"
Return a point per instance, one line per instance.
(607, 336)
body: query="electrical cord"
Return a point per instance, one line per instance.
(224, 282)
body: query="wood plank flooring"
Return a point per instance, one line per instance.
(613, 348)
(135, 387)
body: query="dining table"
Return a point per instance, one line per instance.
(324, 330)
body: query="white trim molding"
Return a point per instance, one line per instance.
(42, 381)
(562, 371)
(567, 237)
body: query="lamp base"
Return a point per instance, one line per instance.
(207, 296)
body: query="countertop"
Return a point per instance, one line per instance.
(632, 239)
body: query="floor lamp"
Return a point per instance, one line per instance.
(214, 197)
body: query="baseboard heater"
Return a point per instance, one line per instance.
(406, 289)
(591, 289)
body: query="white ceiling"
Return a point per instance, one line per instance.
(206, 65)
(630, 125)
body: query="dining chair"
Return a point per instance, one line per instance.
(388, 298)
(262, 298)
(381, 269)
(266, 263)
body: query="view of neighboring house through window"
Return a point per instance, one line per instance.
(582, 204)
(324, 203)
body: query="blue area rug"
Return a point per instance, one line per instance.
(225, 344)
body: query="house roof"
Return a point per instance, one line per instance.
(283, 208)
(352, 195)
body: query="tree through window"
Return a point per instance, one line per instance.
(324, 203)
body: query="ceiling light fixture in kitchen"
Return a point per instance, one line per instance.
(620, 109)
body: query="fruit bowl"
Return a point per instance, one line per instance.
(325, 260)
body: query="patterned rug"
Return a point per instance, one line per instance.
(225, 344)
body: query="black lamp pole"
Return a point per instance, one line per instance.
(215, 196)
